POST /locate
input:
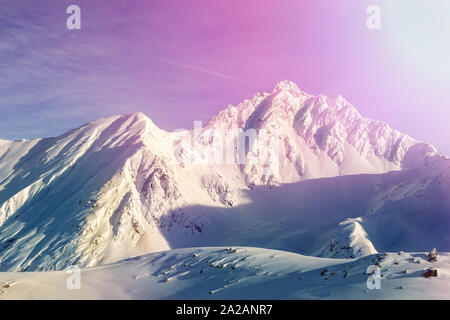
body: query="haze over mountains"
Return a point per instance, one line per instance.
(312, 176)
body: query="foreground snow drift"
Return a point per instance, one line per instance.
(239, 273)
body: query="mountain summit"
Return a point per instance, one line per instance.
(304, 173)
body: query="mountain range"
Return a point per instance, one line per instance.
(284, 170)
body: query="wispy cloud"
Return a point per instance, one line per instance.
(192, 67)
(53, 79)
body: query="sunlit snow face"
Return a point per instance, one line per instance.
(419, 31)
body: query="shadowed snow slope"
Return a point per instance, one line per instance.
(120, 187)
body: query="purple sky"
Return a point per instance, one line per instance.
(180, 61)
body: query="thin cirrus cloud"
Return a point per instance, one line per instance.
(188, 66)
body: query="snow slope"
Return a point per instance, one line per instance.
(238, 273)
(120, 187)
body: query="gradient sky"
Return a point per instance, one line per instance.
(180, 61)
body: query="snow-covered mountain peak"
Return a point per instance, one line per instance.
(286, 103)
(120, 130)
(329, 127)
(138, 120)
(287, 85)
